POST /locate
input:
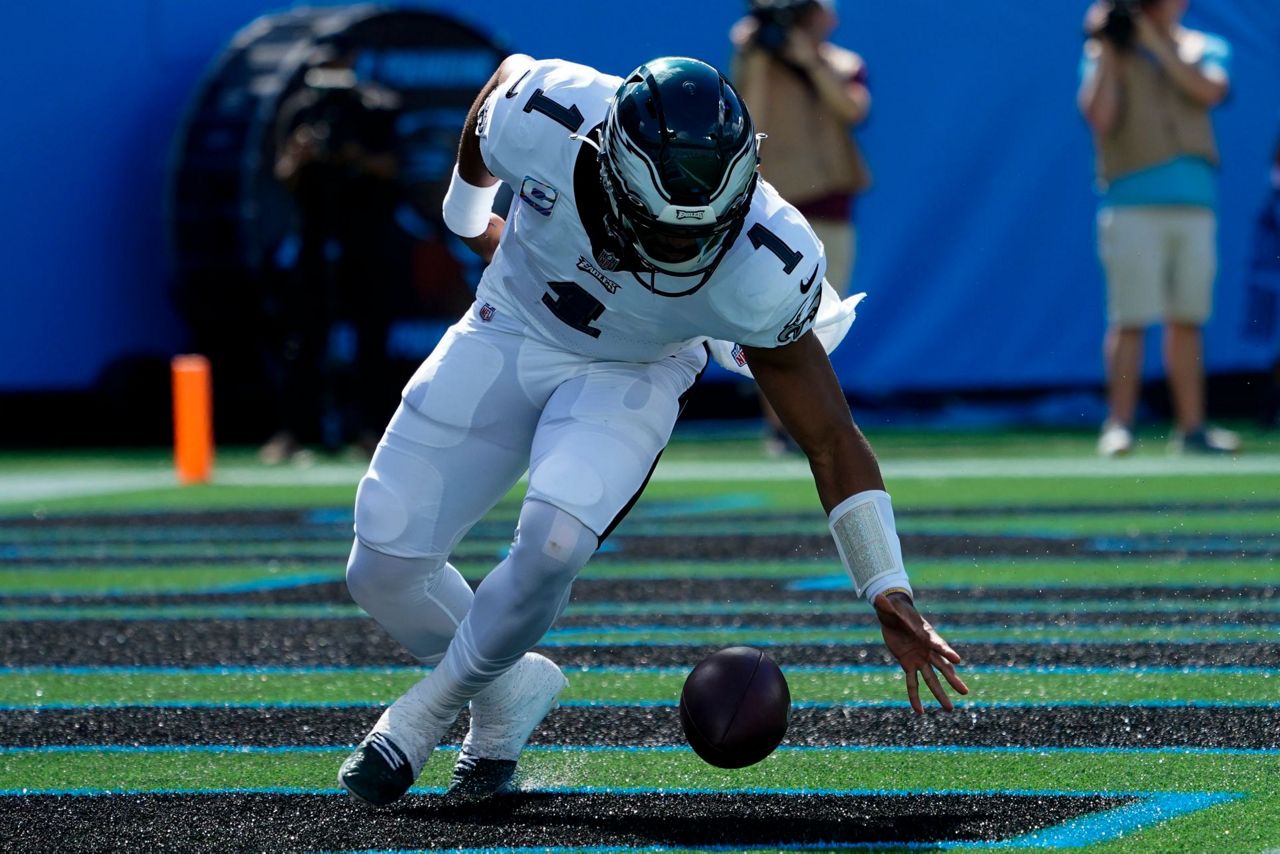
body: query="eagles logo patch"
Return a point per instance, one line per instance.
(586, 266)
(796, 325)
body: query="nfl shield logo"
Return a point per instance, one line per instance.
(607, 260)
(487, 312)
(739, 358)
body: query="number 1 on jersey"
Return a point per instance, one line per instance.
(570, 116)
(761, 236)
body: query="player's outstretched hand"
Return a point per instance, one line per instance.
(918, 648)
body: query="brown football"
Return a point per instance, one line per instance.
(735, 707)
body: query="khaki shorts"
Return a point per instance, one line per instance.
(1160, 263)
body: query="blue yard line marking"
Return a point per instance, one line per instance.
(653, 704)
(777, 791)
(282, 583)
(182, 614)
(1112, 824)
(396, 670)
(200, 704)
(1047, 624)
(666, 748)
(326, 516)
(728, 635)
(594, 849)
(842, 582)
(232, 670)
(710, 504)
(1031, 633)
(960, 705)
(1253, 543)
(248, 790)
(273, 583)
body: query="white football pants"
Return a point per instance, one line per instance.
(489, 403)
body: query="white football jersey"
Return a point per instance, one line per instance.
(559, 270)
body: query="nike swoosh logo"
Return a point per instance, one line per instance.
(514, 89)
(805, 286)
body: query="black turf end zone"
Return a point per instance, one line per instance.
(274, 822)
(759, 590)
(1120, 726)
(339, 642)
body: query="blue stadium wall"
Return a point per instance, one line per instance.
(975, 245)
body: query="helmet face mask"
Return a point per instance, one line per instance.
(678, 159)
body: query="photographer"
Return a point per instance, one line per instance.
(807, 95)
(336, 151)
(1147, 86)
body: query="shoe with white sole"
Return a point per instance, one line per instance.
(1206, 440)
(392, 755)
(503, 716)
(1115, 440)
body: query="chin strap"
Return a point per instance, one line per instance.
(582, 137)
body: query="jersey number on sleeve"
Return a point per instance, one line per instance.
(761, 236)
(570, 117)
(574, 306)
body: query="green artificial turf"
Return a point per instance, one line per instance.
(34, 687)
(108, 559)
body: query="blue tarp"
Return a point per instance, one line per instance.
(976, 244)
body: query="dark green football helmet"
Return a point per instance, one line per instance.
(678, 159)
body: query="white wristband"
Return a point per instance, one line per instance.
(467, 207)
(867, 540)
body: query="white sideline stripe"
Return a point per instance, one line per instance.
(61, 483)
(66, 484)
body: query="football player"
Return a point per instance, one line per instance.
(640, 237)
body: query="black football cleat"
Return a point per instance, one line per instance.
(378, 772)
(475, 779)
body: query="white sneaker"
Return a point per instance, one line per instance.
(503, 716)
(392, 755)
(1206, 440)
(1116, 440)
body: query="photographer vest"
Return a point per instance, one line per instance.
(1157, 122)
(809, 153)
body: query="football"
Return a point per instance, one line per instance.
(735, 707)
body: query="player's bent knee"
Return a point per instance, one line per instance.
(552, 547)
(373, 576)
(370, 574)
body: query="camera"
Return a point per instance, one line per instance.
(1118, 28)
(775, 18)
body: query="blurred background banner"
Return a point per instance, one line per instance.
(976, 244)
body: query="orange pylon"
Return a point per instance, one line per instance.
(192, 419)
